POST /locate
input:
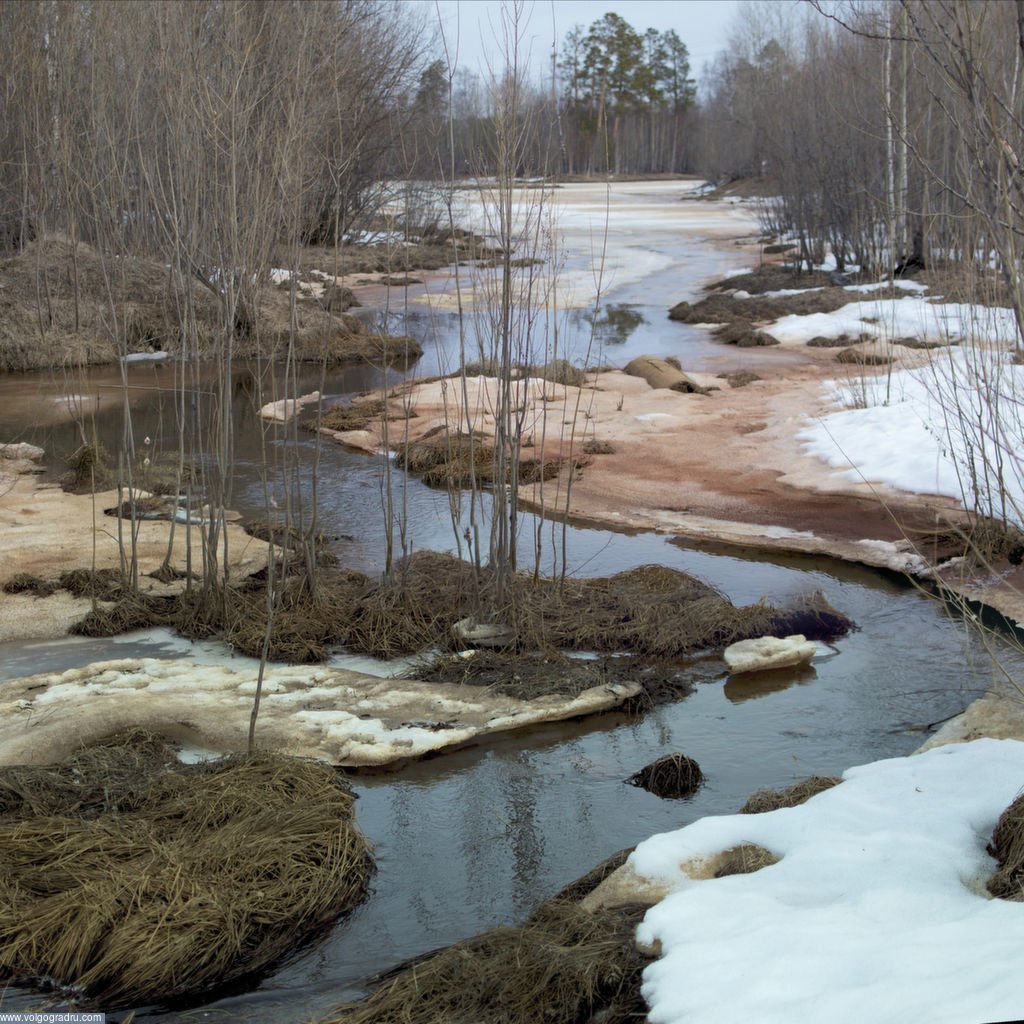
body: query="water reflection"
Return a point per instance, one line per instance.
(751, 685)
(613, 323)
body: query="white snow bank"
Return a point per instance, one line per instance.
(912, 316)
(902, 284)
(146, 357)
(875, 912)
(945, 428)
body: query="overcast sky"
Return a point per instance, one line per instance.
(476, 25)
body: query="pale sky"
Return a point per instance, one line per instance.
(476, 25)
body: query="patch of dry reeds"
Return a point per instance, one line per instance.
(651, 611)
(103, 584)
(131, 611)
(415, 608)
(563, 965)
(740, 378)
(350, 417)
(133, 879)
(813, 616)
(856, 357)
(670, 777)
(89, 469)
(744, 859)
(742, 335)
(765, 800)
(453, 459)
(29, 583)
(1007, 846)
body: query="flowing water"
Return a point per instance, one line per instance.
(479, 837)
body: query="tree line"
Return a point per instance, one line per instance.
(186, 129)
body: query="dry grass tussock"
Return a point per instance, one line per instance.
(322, 336)
(563, 965)
(718, 308)
(744, 859)
(358, 416)
(445, 458)
(557, 371)
(652, 612)
(1007, 846)
(765, 800)
(670, 777)
(526, 675)
(431, 248)
(128, 878)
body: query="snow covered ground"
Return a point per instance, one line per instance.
(953, 426)
(876, 910)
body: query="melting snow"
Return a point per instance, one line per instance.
(875, 912)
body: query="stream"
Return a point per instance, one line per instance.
(479, 837)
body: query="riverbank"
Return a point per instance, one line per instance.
(724, 467)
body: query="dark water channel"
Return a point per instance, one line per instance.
(479, 837)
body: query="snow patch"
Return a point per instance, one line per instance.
(875, 911)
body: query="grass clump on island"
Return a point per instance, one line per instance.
(563, 964)
(130, 878)
(653, 614)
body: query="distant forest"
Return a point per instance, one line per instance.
(884, 131)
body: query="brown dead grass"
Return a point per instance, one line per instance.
(563, 965)
(856, 357)
(670, 777)
(1007, 846)
(133, 879)
(38, 307)
(765, 800)
(740, 378)
(719, 308)
(744, 859)
(527, 675)
(55, 310)
(452, 459)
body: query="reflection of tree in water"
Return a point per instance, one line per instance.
(520, 786)
(614, 323)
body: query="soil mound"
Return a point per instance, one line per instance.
(670, 777)
(130, 878)
(771, 800)
(55, 310)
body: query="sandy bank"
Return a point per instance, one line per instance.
(45, 531)
(723, 467)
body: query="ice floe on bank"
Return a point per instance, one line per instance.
(345, 717)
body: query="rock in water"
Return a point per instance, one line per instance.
(768, 652)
